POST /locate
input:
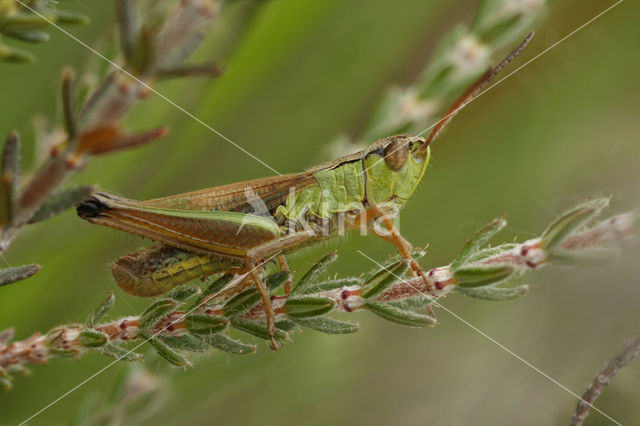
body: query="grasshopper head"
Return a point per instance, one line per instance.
(394, 168)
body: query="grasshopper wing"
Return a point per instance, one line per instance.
(218, 233)
(239, 197)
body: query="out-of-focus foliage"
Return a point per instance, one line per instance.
(30, 21)
(563, 128)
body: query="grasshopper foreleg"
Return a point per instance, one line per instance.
(405, 248)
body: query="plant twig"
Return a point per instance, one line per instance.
(625, 355)
(188, 319)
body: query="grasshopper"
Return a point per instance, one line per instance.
(236, 228)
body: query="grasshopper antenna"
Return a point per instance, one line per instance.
(473, 91)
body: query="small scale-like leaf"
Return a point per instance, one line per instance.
(273, 281)
(490, 252)
(383, 268)
(479, 239)
(571, 221)
(61, 201)
(241, 302)
(185, 342)
(415, 303)
(215, 287)
(480, 275)
(327, 325)
(68, 17)
(101, 310)
(28, 35)
(63, 353)
(286, 325)
(183, 292)
(17, 273)
(157, 310)
(493, 293)
(308, 306)
(9, 178)
(226, 344)
(90, 338)
(258, 329)
(328, 286)
(385, 279)
(312, 275)
(166, 352)
(119, 353)
(128, 21)
(401, 316)
(5, 382)
(13, 54)
(203, 324)
(7, 335)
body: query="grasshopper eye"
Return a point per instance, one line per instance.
(396, 154)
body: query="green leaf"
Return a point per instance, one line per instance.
(61, 201)
(30, 36)
(119, 353)
(400, 316)
(185, 342)
(10, 177)
(571, 221)
(183, 292)
(327, 325)
(203, 324)
(493, 293)
(480, 275)
(5, 382)
(490, 252)
(13, 54)
(414, 303)
(308, 306)
(101, 310)
(328, 286)
(17, 273)
(241, 302)
(90, 338)
(6, 336)
(157, 310)
(286, 325)
(312, 275)
(214, 288)
(479, 239)
(274, 281)
(166, 352)
(373, 275)
(226, 344)
(258, 329)
(67, 17)
(385, 279)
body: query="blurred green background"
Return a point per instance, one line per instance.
(562, 129)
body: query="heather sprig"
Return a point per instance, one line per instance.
(190, 319)
(29, 21)
(152, 46)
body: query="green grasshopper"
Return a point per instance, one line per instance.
(236, 228)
